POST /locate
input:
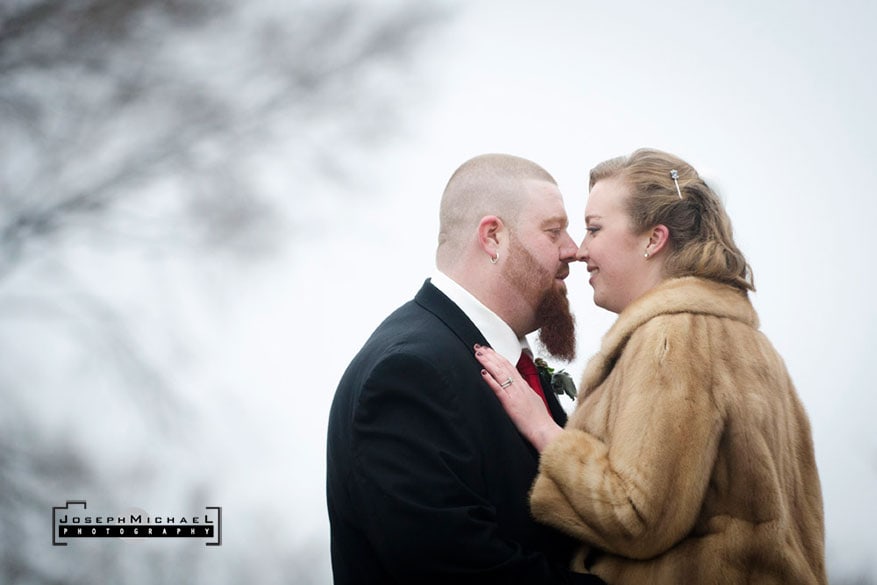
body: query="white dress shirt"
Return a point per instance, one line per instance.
(496, 331)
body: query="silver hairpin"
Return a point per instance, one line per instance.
(674, 174)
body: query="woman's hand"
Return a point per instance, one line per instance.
(519, 400)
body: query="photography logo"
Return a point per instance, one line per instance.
(73, 521)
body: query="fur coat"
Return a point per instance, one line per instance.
(689, 457)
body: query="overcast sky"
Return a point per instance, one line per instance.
(773, 102)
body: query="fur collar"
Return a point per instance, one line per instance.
(688, 294)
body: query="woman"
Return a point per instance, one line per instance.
(689, 457)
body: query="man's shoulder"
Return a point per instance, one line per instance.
(430, 315)
(410, 329)
(429, 331)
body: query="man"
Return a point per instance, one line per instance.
(427, 478)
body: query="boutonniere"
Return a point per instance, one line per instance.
(559, 382)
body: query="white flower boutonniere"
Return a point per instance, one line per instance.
(559, 382)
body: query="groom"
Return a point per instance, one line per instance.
(427, 478)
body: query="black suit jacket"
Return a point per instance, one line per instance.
(427, 478)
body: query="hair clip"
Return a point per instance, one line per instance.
(674, 174)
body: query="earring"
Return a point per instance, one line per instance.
(646, 255)
(495, 260)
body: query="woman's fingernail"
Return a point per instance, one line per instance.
(477, 346)
(478, 353)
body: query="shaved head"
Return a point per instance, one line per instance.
(489, 184)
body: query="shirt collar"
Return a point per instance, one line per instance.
(496, 331)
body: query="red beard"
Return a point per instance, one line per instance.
(558, 331)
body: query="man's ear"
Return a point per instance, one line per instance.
(659, 238)
(489, 235)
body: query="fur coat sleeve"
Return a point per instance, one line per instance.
(631, 488)
(689, 456)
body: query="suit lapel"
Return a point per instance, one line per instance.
(557, 411)
(435, 301)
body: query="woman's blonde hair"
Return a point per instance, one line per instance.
(701, 238)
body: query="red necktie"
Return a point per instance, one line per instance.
(531, 375)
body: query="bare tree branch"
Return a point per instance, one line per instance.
(134, 112)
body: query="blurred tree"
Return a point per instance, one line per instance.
(143, 124)
(102, 102)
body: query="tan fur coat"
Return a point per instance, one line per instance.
(689, 457)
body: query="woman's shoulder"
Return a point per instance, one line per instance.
(689, 295)
(681, 315)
